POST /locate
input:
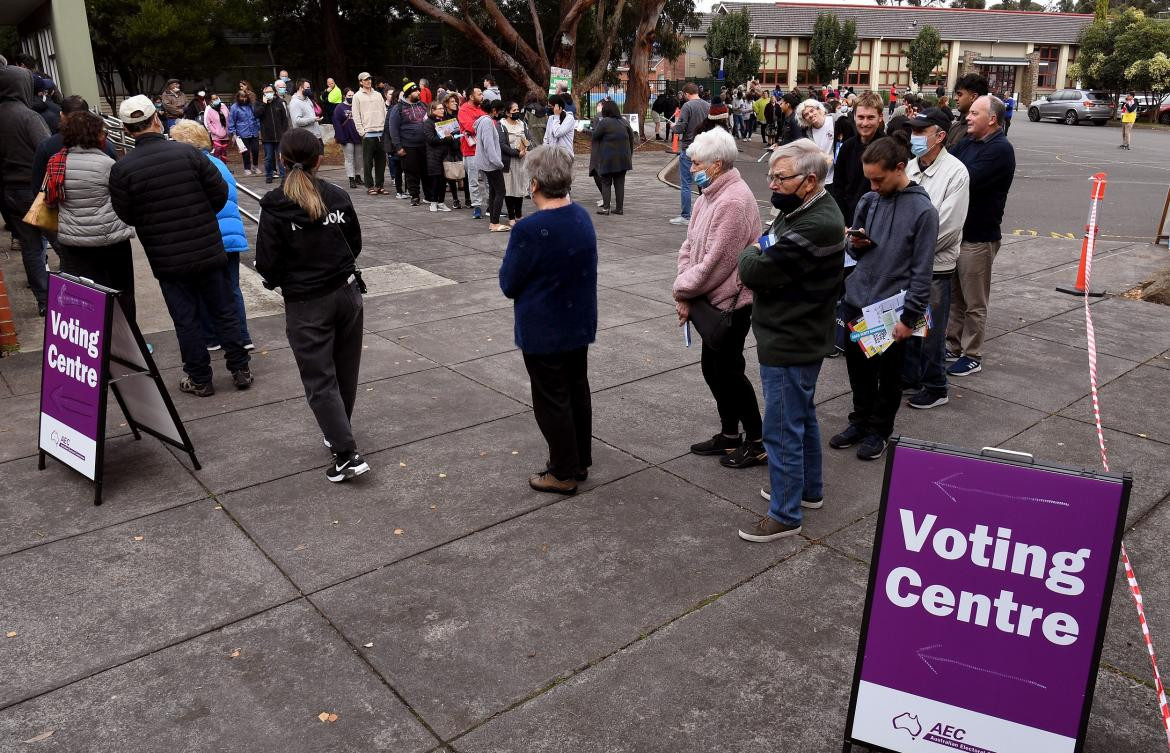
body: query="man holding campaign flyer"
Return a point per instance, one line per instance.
(893, 238)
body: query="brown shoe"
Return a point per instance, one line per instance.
(768, 529)
(546, 482)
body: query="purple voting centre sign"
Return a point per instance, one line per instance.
(73, 374)
(989, 589)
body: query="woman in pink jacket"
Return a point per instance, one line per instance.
(709, 294)
(216, 119)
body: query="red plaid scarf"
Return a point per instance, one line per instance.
(55, 179)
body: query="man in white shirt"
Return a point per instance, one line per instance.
(946, 180)
(816, 125)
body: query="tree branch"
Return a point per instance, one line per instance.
(539, 33)
(510, 36)
(570, 17)
(609, 34)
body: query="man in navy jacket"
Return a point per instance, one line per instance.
(991, 163)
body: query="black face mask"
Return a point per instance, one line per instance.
(786, 202)
(513, 116)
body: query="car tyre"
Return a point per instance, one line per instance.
(1034, 114)
(1070, 118)
(1164, 118)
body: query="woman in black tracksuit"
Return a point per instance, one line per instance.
(308, 240)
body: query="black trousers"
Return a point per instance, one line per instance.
(515, 205)
(373, 162)
(213, 290)
(16, 203)
(876, 383)
(616, 181)
(495, 181)
(435, 189)
(453, 186)
(563, 408)
(414, 164)
(112, 266)
(724, 372)
(326, 338)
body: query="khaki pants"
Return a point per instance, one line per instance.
(970, 291)
(1126, 130)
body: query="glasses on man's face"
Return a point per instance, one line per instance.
(778, 178)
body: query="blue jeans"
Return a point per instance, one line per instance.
(209, 335)
(684, 181)
(792, 438)
(271, 163)
(925, 364)
(737, 125)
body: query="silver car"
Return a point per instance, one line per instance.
(1072, 106)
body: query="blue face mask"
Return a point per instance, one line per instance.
(702, 179)
(919, 145)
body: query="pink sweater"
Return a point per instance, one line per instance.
(726, 220)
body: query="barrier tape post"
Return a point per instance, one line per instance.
(1084, 276)
(1089, 242)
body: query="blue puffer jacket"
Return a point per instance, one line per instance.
(243, 122)
(231, 226)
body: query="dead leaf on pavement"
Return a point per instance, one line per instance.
(11, 634)
(398, 531)
(442, 475)
(369, 645)
(328, 717)
(235, 654)
(43, 736)
(139, 538)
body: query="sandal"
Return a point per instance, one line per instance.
(499, 229)
(372, 191)
(381, 191)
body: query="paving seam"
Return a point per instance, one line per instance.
(1127, 432)
(571, 674)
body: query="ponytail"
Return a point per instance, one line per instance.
(300, 151)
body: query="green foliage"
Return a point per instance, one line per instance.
(1101, 10)
(924, 55)
(832, 45)
(974, 4)
(1108, 49)
(1151, 74)
(730, 38)
(9, 41)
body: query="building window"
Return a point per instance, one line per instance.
(1049, 54)
(893, 70)
(938, 77)
(1069, 81)
(805, 72)
(858, 73)
(774, 69)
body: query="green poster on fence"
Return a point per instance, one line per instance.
(560, 76)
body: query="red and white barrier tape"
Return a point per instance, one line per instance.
(1134, 590)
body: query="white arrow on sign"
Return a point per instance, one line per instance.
(928, 658)
(944, 484)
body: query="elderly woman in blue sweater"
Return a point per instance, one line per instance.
(231, 227)
(550, 271)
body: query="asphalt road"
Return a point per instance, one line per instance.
(1050, 194)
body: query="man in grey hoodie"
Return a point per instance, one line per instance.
(21, 131)
(893, 238)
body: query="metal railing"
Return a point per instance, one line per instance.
(116, 134)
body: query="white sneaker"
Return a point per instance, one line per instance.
(601, 202)
(680, 220)
(402, 196)
(444, 208)
(434, 207)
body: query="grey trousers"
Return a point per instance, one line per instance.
(476, 182)
(326, 338)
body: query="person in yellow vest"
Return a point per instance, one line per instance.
(331, 98)
(1129, 112)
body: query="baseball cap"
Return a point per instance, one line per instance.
(931, 116)
(136, 109)
(364, 75)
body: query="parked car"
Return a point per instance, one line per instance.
(1071, 106)
(1144, 103)
(1164, 114)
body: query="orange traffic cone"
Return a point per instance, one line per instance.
(674, 139)
(1089, 240)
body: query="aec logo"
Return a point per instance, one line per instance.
(908, 723)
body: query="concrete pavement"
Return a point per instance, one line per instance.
(439, 604)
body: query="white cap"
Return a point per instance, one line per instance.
(136, 109)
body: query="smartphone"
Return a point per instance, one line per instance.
(859, 234)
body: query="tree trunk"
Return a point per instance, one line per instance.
(637, 86)
(334, 51)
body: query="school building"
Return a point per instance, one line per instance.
(1022, 52)
(56, 33)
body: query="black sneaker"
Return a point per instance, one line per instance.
(951, 356)
(851, 436)
(717, 445)
(768, 529)
(242, 378)
(745, 456)
(190, 386)
(872, 448)
(925, 400)
(811, 504)
(346, 466)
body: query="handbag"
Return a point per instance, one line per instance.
(454, 171)
(714, 325)
(40, 214)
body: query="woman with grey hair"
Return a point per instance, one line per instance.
(550, 271)
(818, 127)
(709, 294)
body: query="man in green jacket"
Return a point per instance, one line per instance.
(794, 273)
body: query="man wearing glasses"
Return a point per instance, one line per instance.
(794, 273)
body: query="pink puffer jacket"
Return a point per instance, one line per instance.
(725, 221)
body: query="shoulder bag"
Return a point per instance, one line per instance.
(714, 325)
(40, 214)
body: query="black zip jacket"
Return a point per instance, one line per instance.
(306, 258)
(273, 117)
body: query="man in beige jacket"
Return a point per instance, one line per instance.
(369, 117)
